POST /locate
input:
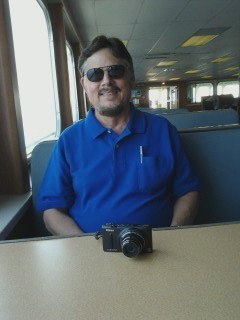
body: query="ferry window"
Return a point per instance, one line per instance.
(72, 84)
(199, 90)
(228, 87)
(162, 97)
(33, 46)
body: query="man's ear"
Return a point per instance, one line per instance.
(82, 82)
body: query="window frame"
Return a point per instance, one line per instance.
(53, 80)
(75, 108)
(192, 91)
(229, 82)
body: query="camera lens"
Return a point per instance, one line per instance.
(132, 242)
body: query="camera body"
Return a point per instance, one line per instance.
(131, 239)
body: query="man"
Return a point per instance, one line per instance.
(118, 165)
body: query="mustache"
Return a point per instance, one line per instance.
(108, 89)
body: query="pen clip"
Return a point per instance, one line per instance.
(141, 154)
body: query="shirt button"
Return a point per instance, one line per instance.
(117, 146)
(109, 131)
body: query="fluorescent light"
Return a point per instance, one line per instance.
(203, 36)
(192, 71)
(166, 63)
(195, 41)
(231, 68)
(221, 59)
(174, 79)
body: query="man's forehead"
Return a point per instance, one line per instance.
(101, 58)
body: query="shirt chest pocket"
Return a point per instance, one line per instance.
(154, 174)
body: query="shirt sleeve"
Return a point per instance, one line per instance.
(56, 190)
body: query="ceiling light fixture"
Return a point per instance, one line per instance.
(203, 36)
(231, 68)
(166, 63)
(221, 59)
(195, 41)
(192, 71)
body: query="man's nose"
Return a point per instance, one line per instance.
(106, 77)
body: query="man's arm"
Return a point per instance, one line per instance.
(59, 223)
(185, 209)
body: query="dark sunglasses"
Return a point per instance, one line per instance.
(96, 74)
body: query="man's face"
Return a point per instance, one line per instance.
(108, 96)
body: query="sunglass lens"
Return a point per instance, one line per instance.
(95, 74)
(117, 71)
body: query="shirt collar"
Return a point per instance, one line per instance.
(136, 124)
(94, 127)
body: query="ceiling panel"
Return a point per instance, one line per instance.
(202, 10)
(141, 30)
(122, 31)
(163, 10)
(108, 12)
(140, 47)
(84, 12)
(88, 32)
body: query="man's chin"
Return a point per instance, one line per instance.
(111, 111)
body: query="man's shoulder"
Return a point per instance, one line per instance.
(74, 128)
(69, 138)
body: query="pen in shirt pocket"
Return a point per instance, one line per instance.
(141, 154)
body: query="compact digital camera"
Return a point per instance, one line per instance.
(130, 239)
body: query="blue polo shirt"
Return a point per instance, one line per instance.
(134, 178)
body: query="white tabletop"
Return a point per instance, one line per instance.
(193, 273)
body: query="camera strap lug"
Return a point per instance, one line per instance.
(98, 235)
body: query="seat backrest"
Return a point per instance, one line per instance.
(39, 161)
(169, 111)
(163, 110)
(215, 154)
(203, 118)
